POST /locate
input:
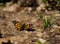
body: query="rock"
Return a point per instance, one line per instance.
(34, 20)
(8, 4)
(39, 34)
(42, 40)
(12, 8)
(42, 6)
(30, 9)
(57, 15)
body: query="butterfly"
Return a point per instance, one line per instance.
(24, 26)
(17, 25)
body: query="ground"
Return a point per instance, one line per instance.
(28, 15)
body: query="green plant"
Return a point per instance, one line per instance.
(46, 22)
(39, 42)
(48, 42)
(58, 2)
(43, 1)
(40, 16)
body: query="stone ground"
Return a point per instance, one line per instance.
(26, 15)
